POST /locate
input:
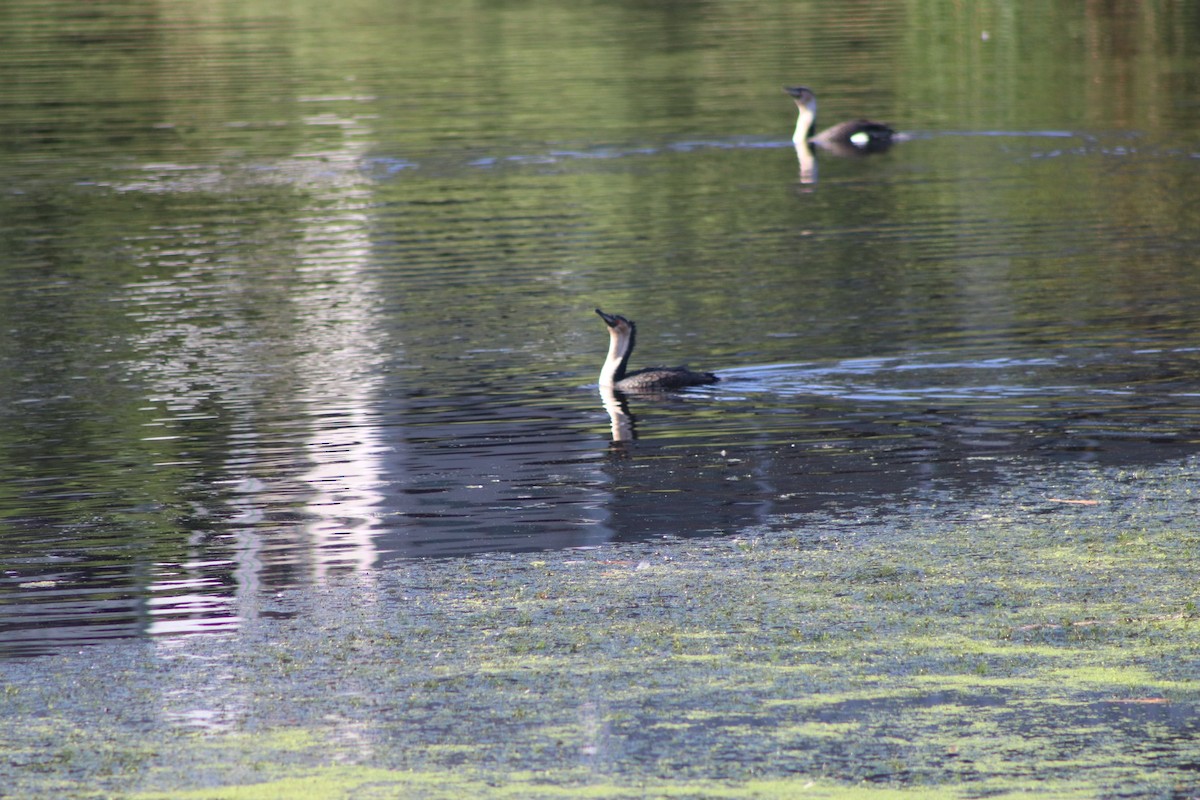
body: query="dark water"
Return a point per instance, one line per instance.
(283, 294)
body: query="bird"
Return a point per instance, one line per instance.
(855, 136)
(622, 333)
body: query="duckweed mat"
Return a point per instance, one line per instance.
(1038, 642)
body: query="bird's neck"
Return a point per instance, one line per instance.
(620, 346)
(804, 124)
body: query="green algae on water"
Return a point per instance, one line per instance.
(998, 649)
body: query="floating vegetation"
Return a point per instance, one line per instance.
(1020, 645)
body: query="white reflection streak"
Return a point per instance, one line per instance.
(187, 359)
(342, 370)
(340, 375)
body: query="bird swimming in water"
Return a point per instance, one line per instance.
(857, 136)
(621, 333)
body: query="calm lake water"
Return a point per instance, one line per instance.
(293, 290)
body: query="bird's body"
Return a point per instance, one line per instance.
(614, 375)
(855, 136)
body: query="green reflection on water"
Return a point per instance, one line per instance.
(143, 80)
(463, 163)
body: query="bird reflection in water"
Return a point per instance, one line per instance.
(624, 427)
(808, 164)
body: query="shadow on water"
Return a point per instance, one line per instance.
(769, 445)
(784, 441)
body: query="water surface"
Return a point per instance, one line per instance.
(286, 294)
